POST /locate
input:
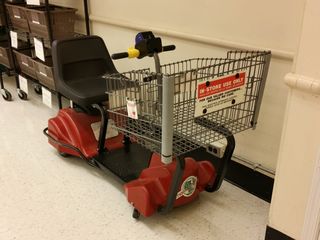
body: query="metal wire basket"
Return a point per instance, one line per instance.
(206, 94)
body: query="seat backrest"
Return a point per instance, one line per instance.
(80, 59)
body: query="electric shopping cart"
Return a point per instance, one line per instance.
(169, 122)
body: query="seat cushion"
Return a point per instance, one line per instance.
(77, 90)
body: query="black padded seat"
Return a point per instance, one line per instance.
(78, 92)
(79, 65)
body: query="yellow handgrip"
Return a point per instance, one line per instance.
(133, 53)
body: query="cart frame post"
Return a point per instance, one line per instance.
(86, 16)
(159, 77)
(167, 119)
(1, 80)
(176, 180)
(261, 90)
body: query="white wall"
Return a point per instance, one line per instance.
(254, 22)
(270, 24)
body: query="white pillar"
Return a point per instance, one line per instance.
(300, 144)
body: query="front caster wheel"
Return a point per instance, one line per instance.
(6, 95)
(38, 90)
(135, 214)
(22, 95)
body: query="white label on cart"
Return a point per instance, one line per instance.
(23, 84)
(17, 16)
(33, 2)
(132, 109)
(14, 39)
(46, 97)
(220, 93)
(38, 44)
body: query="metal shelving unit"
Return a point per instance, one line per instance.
(4, 92)
(37, 85)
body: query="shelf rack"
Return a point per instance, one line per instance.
(38, 86)
(4, 92)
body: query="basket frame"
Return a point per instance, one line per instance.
(170, 125)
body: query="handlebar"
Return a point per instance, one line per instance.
(168, 48)
(121, 55)
(135, 53)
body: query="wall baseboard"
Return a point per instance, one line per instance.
(273, 234)
(250, 180)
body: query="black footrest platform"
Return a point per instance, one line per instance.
(126, 165)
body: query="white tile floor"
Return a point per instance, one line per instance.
(43, 196)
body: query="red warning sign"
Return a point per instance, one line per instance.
(220, 93)
(221, 85)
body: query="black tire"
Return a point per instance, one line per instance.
(92, 163)
(22, 95)
(209, 189)
(38, 89)
(7, 95)
(212, 188)
(135, 214)
(65, 155)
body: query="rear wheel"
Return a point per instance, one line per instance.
(92, 163)
(37, 88)
(6, 95)
(22, 95)
(65, 155)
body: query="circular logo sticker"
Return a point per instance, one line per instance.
(188, 187)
